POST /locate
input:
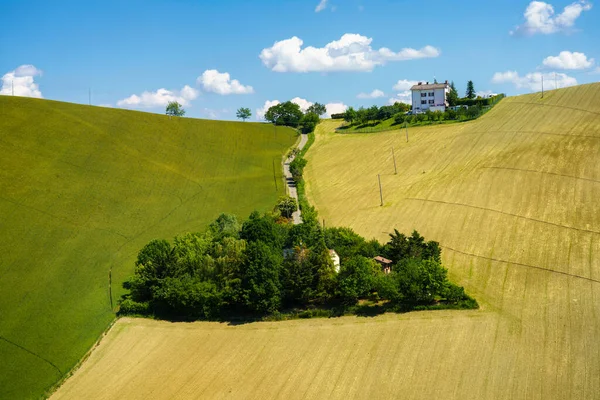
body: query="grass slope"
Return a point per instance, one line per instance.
(82, 189)
(512, 197)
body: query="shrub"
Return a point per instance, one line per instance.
(130, 307)
(399, 118)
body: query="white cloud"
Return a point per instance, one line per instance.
(332, 108)
(373, 95)
(221, 83)
(404, 84)
(21, 82)
(533, 81)
(335, 108)
(321, 6)
(303, 103)
(568, 60)
(260, 112)
(402, 97)
(211, 113)
(540, 18)
(352, 52)
(160, 98)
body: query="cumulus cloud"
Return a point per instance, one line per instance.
(335, 108)
(321, 6)
(402, 97)
(404, 84)
(332, 108)
(540, 18)
(568, 60)
(373, 95)
(533, 81)
(160, 98)
(260, 112)
(352, 52)
(221, 83)
(21, 82)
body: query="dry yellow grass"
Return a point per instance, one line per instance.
(512, 198)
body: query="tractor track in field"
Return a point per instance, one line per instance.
(556, 106)
(32, 353)
(523, 265)
(545, 173)
(504, 213)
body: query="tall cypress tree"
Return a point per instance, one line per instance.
(452, 96)
(470, 90)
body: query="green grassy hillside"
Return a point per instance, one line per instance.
(513, 198)
(82, 189)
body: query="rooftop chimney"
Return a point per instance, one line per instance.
(446, 82)
(420, 83)
(427, 83)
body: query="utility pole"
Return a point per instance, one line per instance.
(542, 86)
(90, 96)
(394, 157)
(380, 192)
(13, 87)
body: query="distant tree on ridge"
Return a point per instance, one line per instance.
(175, 109)
(243, 113)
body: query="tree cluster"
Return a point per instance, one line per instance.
(374, 113)
(264, 266)
(290, 114)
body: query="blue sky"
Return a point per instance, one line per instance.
(217, 56)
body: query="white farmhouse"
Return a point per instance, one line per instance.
(430, 96)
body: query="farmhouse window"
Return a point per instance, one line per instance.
(431, 94)
(423, 101)
(423, 94)
(431, 102)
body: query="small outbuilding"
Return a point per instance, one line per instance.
(335, 258)
(386, 265)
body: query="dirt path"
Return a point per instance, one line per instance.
(291, 185)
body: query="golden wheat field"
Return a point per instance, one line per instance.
(512, 197)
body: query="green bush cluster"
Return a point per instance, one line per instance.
(263, 267)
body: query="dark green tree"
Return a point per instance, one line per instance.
(350, 115)
(297, 276)
(348, 244)
(265, 229)
(355, 279)
(286, 206)
(373, 113)
(288, 114)
(317, 108)
(225, 225)
(243, 113)
(260, 284)
(470, 94)
(175, 109)
(420, 280)
(452, 96)
(309, 122)
(323, 269)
